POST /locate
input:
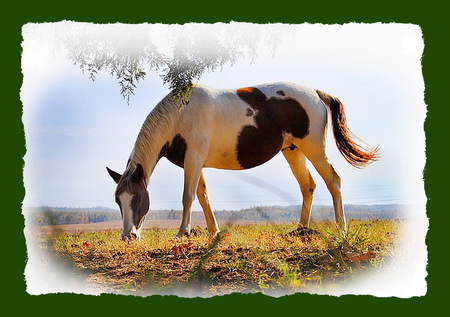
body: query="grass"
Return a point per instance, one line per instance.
(251, 258)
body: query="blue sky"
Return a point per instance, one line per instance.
(75, 127)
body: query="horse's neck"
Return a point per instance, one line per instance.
(148, 163)
(157, 130)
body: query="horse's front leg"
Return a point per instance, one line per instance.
(203, 198)
(193, 164)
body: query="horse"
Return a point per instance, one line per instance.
(237, 129)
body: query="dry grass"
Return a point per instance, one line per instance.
(251, 258)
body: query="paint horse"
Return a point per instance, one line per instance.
(236, 130)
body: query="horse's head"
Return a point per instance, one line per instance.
(132, 198)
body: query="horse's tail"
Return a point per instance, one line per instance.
(357, 155)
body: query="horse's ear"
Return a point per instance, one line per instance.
(138, 174)
(115, 176)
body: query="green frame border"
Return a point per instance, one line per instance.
(432, 19)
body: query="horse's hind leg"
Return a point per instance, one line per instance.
(203, 198)
(333, 182)
(297, 162)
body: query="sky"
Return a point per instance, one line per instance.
(75, 127)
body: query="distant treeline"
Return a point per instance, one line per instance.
(65, 216)
(60, 216)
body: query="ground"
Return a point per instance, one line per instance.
(270, 258)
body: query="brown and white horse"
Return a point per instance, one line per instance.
(237, 129)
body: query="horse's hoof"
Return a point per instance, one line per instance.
(181, 235)
(213, 234)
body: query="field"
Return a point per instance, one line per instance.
(274, 259)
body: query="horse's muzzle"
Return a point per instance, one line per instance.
(130, 236)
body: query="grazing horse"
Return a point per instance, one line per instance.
(237, 129)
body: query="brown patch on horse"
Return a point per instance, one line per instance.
(175, 151)
(274, 116)
(140, 205)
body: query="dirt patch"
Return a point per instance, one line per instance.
(304, 233)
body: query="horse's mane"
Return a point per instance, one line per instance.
(157, 129)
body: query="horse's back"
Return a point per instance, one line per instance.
(228, 98)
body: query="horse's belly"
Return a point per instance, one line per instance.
(222, 153)
(248, 148)
(242, 144)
